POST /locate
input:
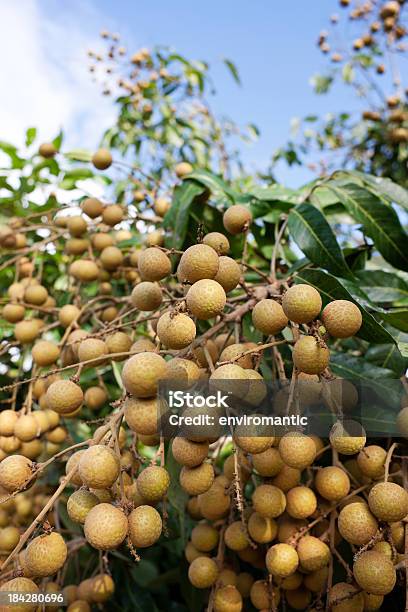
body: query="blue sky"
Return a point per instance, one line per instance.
(272, 43)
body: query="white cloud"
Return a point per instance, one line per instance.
(45, 82)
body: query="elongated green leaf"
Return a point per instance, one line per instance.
(382, 286)
(177, 217)
(79, 155)
(330, 288)
(380, 222)
(31, 133)
(398, 318)
(233, 70)
(220, 190)
(314, 236)
(384, 186)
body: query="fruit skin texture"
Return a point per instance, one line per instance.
(102, 159)
(297, 450)
(351, 602)
(301, 304)
(142, 415)
(105, 527)
(197, 480)
(153, 483)
(388, 502)
(227, 599)
(206, 299)
(102, 588)
(301, 502)
(281, 560)
(332, 483)
(269, 501)
(64, 396)
(356, 524)
(189, 453)
(176, 330)
(309, 357)
(19, 585)
(374, 573)
(203, 572)
(99, 467)
(204, 537)
(343, 438)
(142, 372)
(371, 460)
(79, 504)
(68, 314)
(218, 242)
(46, 554)
(198, 262)
(228, 274)
(342, 319)
(92, 207)
(268, 317)
(237, 219)
(15, 470)
(235, 536)
(313, 553)
(262, 529)
(145, 526)
(153, 264)
(146, 296)
(268, 463)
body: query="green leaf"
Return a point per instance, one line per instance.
(80, 155)
(17, 162)
(314, 236)
(398, 318)
(31, 133)
(177, 218)
(330, 288)
(385, 186)
(57, 142)
(233, 70)
(380, 222)
(382, 286)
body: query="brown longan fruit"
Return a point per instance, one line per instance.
(145, 526)
(235, 536)
(77, 246)
(281, 560)
(219, 242)
(297, 450)
(153, 264)
(302, 303)
(142, 415)
(287, 478)
(102, 588)
(176, 330)
(182, 169)
(313, 553)
(35, 295)
(84, 270)
(374, 573)
(357, 524)
(102, 159)
(9, 538)
(203, 572)
(68, 314)
(45, 353)
(8, 420)
(76, 225)
(371, 460)
(91, 349)
(119, 342)
(13, 313)
(204, 537)
(233, 351)
(15, 471)
(147, 296)
(95, 397)
(332, 483)
(206, 299)
(347, 437)
(111, 258)
(79, 504)
(46, 554)
(260, 595)
(109, 314)
(229, 273)
(161, 206)
(388, 501)
(99, 467)
(301, 502)
(101, 241)
(142, 372)
(268, 317)
(19, 585)
(64, 396)
(153, 483)
(16, 291)
(105, 527)
(309, 356)
(189, 453)
(237, 219)
(197, 480)
(26, 428)
(198, 262)
(227, 599)
(92, 207)
(184, 371)
(262, 529)
(47, 150)
(112, 214)
(268, 501)
(342, 318)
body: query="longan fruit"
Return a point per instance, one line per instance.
(153, 483)
(146, 296)
(260, 595)
(182, 169)
(101, 240)
(76, 226)
(197, 480)
(342, 318)
(347, 437)
(47, 150)
(153, 264)
(26, 428)
(262, 529)
(301, 304)
(92, 207)
(102, 588)
(374, 573)
(231, 352)
(229, 273)
(26, 331)
(235, 536)
(15, 471)
(214, 503)
(198, 262)
(142, 415)
(142, 372)
(206, 299)
(84, 270)
(371, 460)
(189, 453)
(237, 219)
(184, 371)
(161, 206)
(8, 420)
(219, 242)
(46, 554)
(357, 524)
(332, 483)
(287, 478)
(268, 317)
(145, 526)
(297, 450)
(102, 159)
(313, 553)
(119, 342)
(64, 396)
(204, 537)
(203, 572)
(388, 501)
(13, 313)
(111, 258)
(105, 526)
(309, 356)
(268, 501)
(95, 397)
(45, 353)
(176, 330)
(281, 560)
(79, 504)
(301, 502)
(227, 599)
(99, 467)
